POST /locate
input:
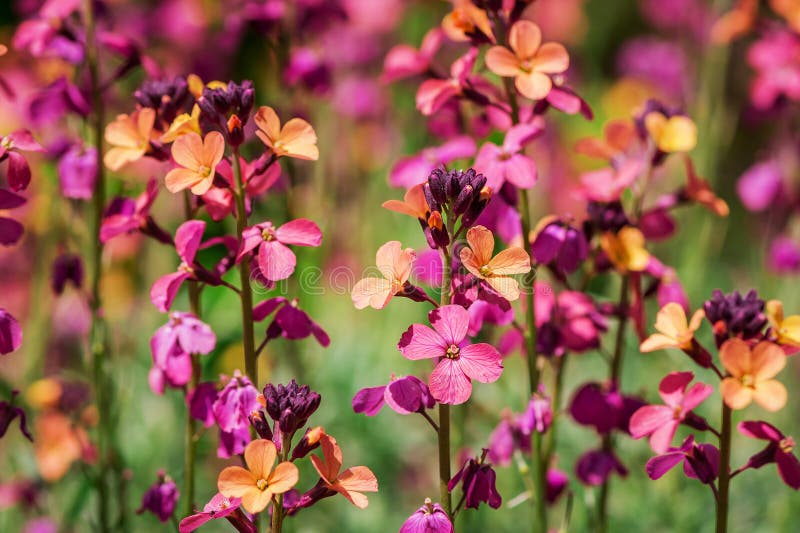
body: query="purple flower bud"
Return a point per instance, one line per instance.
(169, 98)
(10, 332)
(733, 314)
(560, 244)
(66, 267)
(161, 498)
(607, 216)
(290, 405)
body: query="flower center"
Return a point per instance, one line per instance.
(748, 381)
(677, 413)
(453, 352)
(183, 267)
(786, 444)
(268, 235)
(526, 65)
(262, 484)
(485, 271)
(204, 171)
(462, 21)
(7, 143)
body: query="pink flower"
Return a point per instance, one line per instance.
(760, 186)
(187, 242)
(661, 421)
(235, 403)
(779, 450)
(404, 395)
(10, 333)
(218, 507)
(507, 163)
(290, 322)
(414, 170)
(451, 380)
(125, 215)
(435, 93)
(430, 518)
(172, 345)
(775, 58)
(18, 172)
(275, 260)
(700, 461)
(394, 263)
(404, 61)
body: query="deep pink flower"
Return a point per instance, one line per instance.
(661, 421)
(77, 172)
(776, 60)
(161, 498)
(415, 169)
(10, 333)
(172, 346)
(430, 518)
(663, 64)
(559, 243)
(18, 172)
(778, 451)
(784, 255)
(607, 184)
(700, 461)
(596, 466)
(478, 483)
(187, 242)
(9, 412)
(404, 61)
(557, 481)
(232, 443)
(51, 103)
(275, 260)
(760, 185)
(451, 380)
(290, 322)
(404, 395)
(508, 163)
(42, 36)
(434, 93)
(218, 507)
(258, 178)
(235, 403)
(10, 230)
(66, 268)
(126, 216)
(200, 402)
(603, 407)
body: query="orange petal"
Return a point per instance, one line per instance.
(508, 288)
(671, 320)
(116, 158)
(657, 341)
(402, 266)
(525, 38)
(768, 360)
(481, 241)
(373, 292)
(513, 260)
(284, 477)
(771, 395)
(619, 134)
(735, 357)
(470, 262)
(359, 478)
(213, 149)
(534, 85)
(736, 395)
(299, 140)
(386, 258)
(202, 187)
(697, 319)
(502, 62)
(122, 132)
(235, 482)
(268, 122)
(255, 501)
(328, 468)
(260, 456)
(179, 179)
(400, 207)
(145, 119)
(187, 151)
(356, 498)
(552, 58)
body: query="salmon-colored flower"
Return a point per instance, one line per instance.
(256, 484)
(625, 249)
(736, 22)
(529, 61)
(465, 19)
(751, 372)
(413, 203)
(295, 139)
(787, 329)
(58, 444)
(673, 329)
(129, 137)
(618, 136)
(394, 262)
(198, 159)
(496, 271)
(674, 134)
(789, 10)
(698, 190)
(351, 482)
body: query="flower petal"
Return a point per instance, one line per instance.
(284, 477)
(449, 384)
(525, 38)
(260, 455)
(187, 239)
(736, 358)
(552, 58)
(649, 418)
(513, 260)
(179, 179)
(771, 395)
(451, 322)
(275, 260)
(481, 242)
(502, 62)
(187, 151)
(736, 395)
(373, 292)
(481, 362)
(421, 342)
(506, 287)
(533, 85)
(768, 359)
(235, 482)
(300, 232)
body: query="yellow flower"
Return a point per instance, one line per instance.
(625, 249)
(673, 329)
(183, 124)
(787, 329)
(674, 134)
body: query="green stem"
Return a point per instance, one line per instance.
(444, 410)
(724, 470)
(191, 424)
(277, 506)
(246, 294)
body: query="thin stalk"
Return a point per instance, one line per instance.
(191, 424)
(444, 410)
(723, 490)
(277, 506)
(246, 294)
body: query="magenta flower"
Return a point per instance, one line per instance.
(760, 186)
(275, 260)
(775, 60)
(507, 163)
(783, 257)
(235, 403)
(77, 172)
(10, 230)
(9, 412)
(218, 507)
(478, 483)
(232, 443)
(18, 173)
(172, 345)
(187, 242)
(557, 481)
(700, 461)
(596, 466)
(10, 333)
(661, 421)
(451, 380)
(200, 402)
(404, 61)
(561, 244)
(778, 451)
(661, 63)
(603, 407)
(66, 268)
(404, 395)
(161, 498)
(290, 322)
(430, 518)
(126, 216)
(415, 169)
(435, 93)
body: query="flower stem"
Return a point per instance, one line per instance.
(724, 470)
(277, 506)
(246, 294)
(191, 425)
(444, 410)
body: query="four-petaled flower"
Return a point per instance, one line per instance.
(275, 260)
(259, 482)
(460, 363)
(430, 518)
(350, 482)
(673, 329)
(495, 271)
(129, 137)
(395, 263)
(295, 139)
(198, 159)
(507, 163)
(779, 451)
(751, 372)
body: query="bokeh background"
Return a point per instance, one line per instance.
(623, 51)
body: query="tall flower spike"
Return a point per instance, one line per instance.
(529, 61)
(351, 482)
(295, 139)
(495, 271)
(751, 372)
(395, 264)
(198, 159)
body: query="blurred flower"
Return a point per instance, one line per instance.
(556, 241)
(675, 133)
(404, 395)
(394, 263)
(10, 333)
(760, 185)
(200, 402)
(182, 124)
(775, 58)
(10, 230)
(275, 260)
(603, 407)
(538, 416)
(77, 172)
(129, 137)
(235, 402)
(698, 190)
(290, 405)
(434, 93)
(124, 215)
(625, 249)
(226, 108)
(607, 184)
(414, 170)
(430, 518)
(66, 267)
(700, 461)
(350, 482)
(659, 62)
(45, 36)
(735, 315)
(751, 372)
(259, 482)
(661, 421)
(596, 466)
(778, 451)
(477, 480)
(59, 443)
(787, 330)
(218, 507)
(168, 97)
(18, 172)
(529, 61)
(450, 381)
(556, 482)
(295, 139)
(290, 322)
(508, 163)
(8, 412)
(197, 159)
(466, 21)
(673, 330)
(40, 525)
(784, 255)
(496, 271)
(308, 67)
(404, 61)
(161, 498)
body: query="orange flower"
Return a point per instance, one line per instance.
(751, 373)
(736, 22)
(789, 10)
(198, 159)
(413, 204)
(129, 137)
(466, 18)
(530, 62)
(496, 271)
(259, 482)
(394, 262)
(295, 139)
(698, 190)
(786, 329)
(625, 249)
(58, 444)
(673, 330)
(351, 482)
(617, 138)
(674, 134)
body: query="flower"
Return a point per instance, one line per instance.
(198, 159)
(404, 61)
(778, 451)
(218, 507)
(625, 249)
(559, 243)
(736, 315)
(751, 372)
(451, 380)
(700, 461)
(413, 204)
(466, 21)
(462, 192)
(125, 215)
(290, 405)
(18, 172)
(434, 93)
(775, 60)
(161, 498)
(698, 190)
(673, 330)
(129, 137)
(414, 170)
(760, 185)
(172, 345)
(603, 407)
(786, 329)
(529, 61)
(66, 268)
(10, 230)
(295, 139)
(275, 260)
(350, 482)
(290, 322)
(478, 483)
(59, 443)
(394, 263)
(10, 333)
(8, 412)
(676, 133)
(556, 481)
(508, 163)
(496, 271)
(596, 466)
(187, 242)
(404, 395)
(234, 404)
(259, 482)
(661, 421)
(784, 255)
(430, 518)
